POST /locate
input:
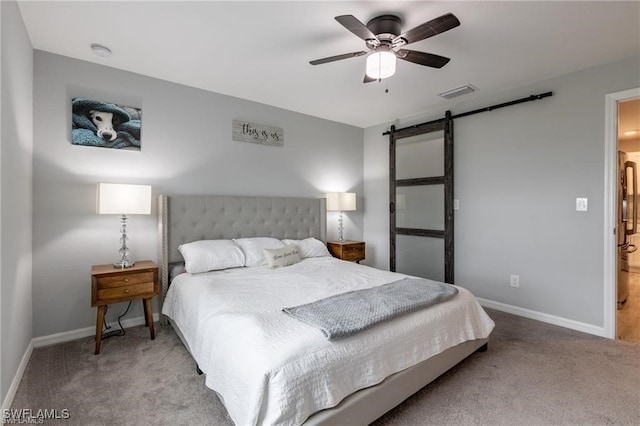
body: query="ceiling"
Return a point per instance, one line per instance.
(261, 50)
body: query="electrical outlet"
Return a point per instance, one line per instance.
(514, 281)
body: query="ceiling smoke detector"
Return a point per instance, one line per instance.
(458, 91)
(100, 50)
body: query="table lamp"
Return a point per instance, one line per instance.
(341, 202)
(124, 199)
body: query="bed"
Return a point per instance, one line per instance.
(270, 368)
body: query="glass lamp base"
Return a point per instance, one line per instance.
(124, 263)
(340, 228)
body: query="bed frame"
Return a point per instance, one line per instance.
(187, 218)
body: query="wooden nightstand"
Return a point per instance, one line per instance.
(114, 285)
(347, 250)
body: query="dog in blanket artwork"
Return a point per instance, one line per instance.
(103, 124)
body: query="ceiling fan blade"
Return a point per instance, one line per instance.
(337, 57)
(422, 58)
(428, 29)
(368, 79)
(352, 23)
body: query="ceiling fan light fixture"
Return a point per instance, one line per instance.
(381, 64)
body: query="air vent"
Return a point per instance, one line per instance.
(458, 91)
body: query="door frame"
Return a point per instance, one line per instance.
(610, 210)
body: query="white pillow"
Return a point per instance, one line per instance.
(285, 256)
(211, 255)
(310, 247)
(252, 249)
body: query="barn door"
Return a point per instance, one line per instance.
(421, 200)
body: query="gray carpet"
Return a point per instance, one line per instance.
(532, 374)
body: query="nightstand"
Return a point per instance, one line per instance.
(347, 250)
(114, 285)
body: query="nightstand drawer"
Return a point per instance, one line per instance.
(353, 252)
(124, 280)
(129, 291)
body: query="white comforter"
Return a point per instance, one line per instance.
(269, 368)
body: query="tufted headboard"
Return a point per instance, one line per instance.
(186, 218)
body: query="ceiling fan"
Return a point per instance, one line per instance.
(384, 39)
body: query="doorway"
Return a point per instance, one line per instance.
(621, 121)
(628, 277)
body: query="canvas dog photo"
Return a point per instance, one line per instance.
(104, 124)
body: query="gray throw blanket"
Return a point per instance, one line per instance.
(348, 313)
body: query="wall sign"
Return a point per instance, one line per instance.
(245, 131)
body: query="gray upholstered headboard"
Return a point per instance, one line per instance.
(187, 218)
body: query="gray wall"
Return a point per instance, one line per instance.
(186, 148)
(16, 85)
(518, 172)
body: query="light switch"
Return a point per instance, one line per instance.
(456, 204)
(582, 204)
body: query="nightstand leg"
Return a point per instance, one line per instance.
(146, 317)
(148, 314)
(99, 325)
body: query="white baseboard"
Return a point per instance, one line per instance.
(540, 316)
(11, 393)
(52, 339)
(67, 336)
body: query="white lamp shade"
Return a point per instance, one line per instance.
(381, 65)
(114, 198)
(341, 201)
